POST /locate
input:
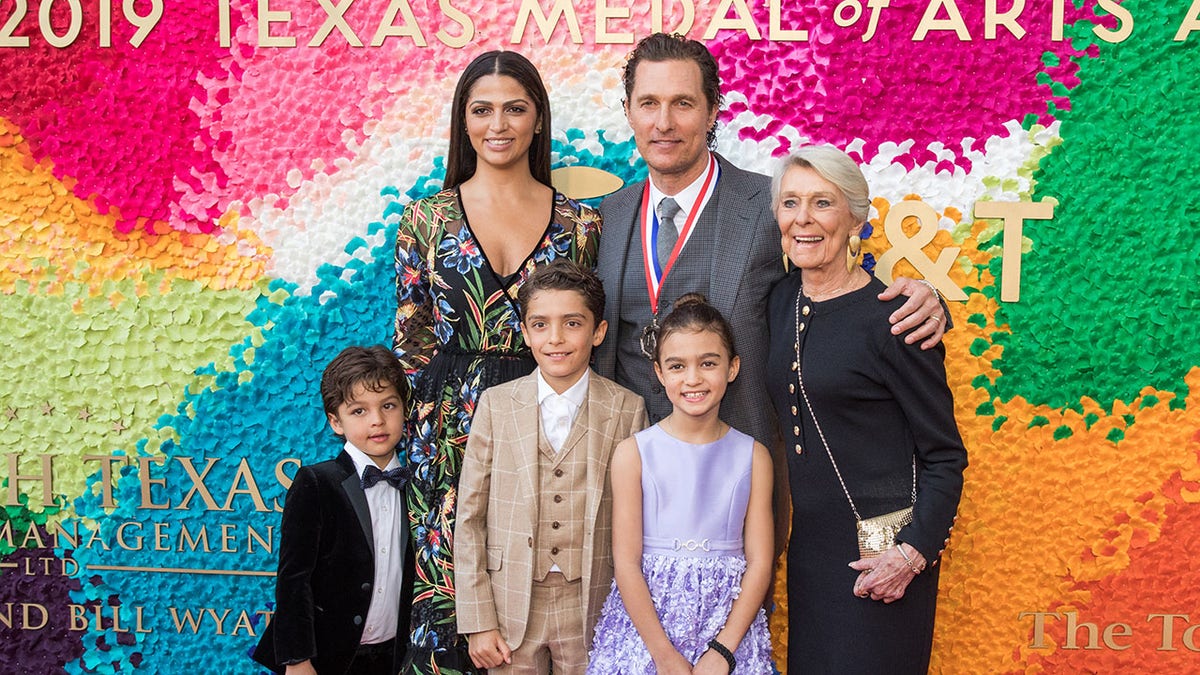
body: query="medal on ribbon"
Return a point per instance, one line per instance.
(649, 339)
(654, 275)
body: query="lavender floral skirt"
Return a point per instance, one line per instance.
(693, 597)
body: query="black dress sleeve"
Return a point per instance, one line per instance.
(917, 380)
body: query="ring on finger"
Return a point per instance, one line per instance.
(935, 319)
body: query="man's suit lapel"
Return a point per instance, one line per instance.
(736, 209)
(352, 486)
(527, 426)
(598, 425)
(620, 226)
(735, 213)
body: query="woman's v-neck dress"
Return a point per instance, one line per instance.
(457, 333)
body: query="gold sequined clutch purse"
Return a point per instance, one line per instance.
(878, 534)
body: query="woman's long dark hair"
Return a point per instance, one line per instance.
(461, 160)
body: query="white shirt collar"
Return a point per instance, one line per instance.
(576, 394)
(686, 198)
(362, 461)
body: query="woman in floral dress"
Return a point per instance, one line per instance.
(461, 256)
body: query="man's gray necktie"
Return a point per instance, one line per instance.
(668, 234)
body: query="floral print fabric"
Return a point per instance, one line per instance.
(457, 333)
(693, 598)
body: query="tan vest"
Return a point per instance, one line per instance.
(562, 502)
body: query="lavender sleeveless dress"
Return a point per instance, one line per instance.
(694, 501)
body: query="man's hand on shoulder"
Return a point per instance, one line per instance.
(921, 316)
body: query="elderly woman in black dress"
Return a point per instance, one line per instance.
(869, 427)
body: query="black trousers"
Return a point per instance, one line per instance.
(374, 659)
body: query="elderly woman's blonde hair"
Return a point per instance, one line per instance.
(834, 166)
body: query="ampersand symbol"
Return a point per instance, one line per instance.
(904, 247)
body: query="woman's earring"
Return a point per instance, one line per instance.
(852, 252)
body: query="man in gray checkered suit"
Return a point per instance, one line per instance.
(700, 224)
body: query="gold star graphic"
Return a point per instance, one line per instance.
(47, 409)
(119, 426)
(85, 414)
(11, 413)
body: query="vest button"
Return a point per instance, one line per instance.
(357, 620)
(366, 587)
(558, 473)
(799, 450)
(555, 525)
(554, 551)
(531, 542)
(557, 499)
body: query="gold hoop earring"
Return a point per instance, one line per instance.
(852, 252)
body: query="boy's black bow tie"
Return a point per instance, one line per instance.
(397, 477)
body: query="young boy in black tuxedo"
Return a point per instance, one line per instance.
(344, 585)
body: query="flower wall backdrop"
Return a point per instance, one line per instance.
(199, 203)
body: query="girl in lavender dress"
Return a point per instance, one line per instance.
(692, 533)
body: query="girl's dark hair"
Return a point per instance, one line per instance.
(692, 313)
(460, 161)
(373, 367)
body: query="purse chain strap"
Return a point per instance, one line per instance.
(820, 433)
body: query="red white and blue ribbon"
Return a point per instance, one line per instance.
(656, 273)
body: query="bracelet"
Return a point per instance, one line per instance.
(907, 559)
(933, 288)
(721, 649)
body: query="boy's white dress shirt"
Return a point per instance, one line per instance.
(388, 521)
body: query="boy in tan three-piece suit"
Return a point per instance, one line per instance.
(533, 542)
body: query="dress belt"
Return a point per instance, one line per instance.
(691, 547)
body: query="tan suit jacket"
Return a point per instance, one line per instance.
(498, 503)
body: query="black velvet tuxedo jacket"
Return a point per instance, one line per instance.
(327, 571)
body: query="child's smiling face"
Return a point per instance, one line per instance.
(695, 368)
(561, 331)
